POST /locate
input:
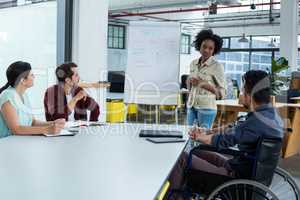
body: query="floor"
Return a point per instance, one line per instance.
(167, 116)
(292, 165)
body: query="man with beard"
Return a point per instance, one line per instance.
(262, 120)
(66, 99)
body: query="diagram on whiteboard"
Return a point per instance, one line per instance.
(153, 63)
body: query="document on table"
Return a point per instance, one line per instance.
(63, 132)
(76, 124)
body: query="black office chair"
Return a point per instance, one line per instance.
(184, 97)
(117, 81)
(205, 185)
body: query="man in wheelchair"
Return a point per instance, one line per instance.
(262, 121)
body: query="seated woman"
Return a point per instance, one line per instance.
(16, 116)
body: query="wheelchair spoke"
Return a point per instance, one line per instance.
(228, 194)
(245, 191)
(284, 186)
(236, 192)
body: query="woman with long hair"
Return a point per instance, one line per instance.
(15, 114)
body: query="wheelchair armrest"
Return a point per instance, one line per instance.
(233, 151)
(230, 151)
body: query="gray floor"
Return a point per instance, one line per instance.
(291, 164)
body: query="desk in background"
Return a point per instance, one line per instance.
(297, 99)
(109, 162)
(228, 112)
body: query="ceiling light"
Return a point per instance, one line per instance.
(243, 39)
(272, 43)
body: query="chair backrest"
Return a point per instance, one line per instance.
(117, 81)
(267, 157)
(183, 81)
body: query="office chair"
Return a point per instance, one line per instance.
(184, 97)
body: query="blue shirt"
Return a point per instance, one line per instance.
(263, 122)
(20, 104)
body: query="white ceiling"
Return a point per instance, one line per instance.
(132, 4)
(192, 14)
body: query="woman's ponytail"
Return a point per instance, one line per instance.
(15, 72)
(4, 87)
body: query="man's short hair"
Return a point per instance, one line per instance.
(64, 71)
(257, 83)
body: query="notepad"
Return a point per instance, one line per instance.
(160, 133)
(63, 132)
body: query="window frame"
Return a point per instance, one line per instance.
(185, 46)
(116, 39)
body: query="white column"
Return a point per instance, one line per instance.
(288, 32)
(90, 44)
(60, 32)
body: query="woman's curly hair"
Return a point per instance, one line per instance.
(208, 34)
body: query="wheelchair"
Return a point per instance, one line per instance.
(266, 182)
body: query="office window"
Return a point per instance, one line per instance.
(226, 42)
(36, 44)
(116, 37)
(185, 47)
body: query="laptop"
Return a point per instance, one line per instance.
(160, 133)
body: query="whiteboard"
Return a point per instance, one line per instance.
(152, 72)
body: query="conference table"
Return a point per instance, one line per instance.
(102, 162)
(228, 111)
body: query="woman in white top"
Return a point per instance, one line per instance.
(206, 80)
(16, 116)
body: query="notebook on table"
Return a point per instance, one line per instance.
(63, 132)
(160, 133)
(165, 140)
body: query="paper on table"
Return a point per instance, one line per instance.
(63, 132)
(74, 124)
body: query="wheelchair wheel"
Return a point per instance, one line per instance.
(284, 186)
(242, 189)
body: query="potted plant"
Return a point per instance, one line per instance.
(276, 81)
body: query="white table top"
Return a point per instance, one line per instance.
(109, 162)
(295, 98)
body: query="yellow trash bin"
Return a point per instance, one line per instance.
(115, 111)
(132, 108)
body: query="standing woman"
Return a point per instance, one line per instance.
(15, 113)
(206, 80)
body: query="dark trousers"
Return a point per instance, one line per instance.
(202, 160)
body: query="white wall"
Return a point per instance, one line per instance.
(28, 33)
(90, 44)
